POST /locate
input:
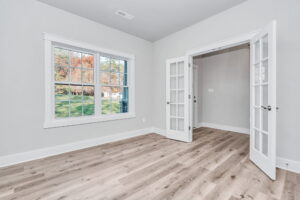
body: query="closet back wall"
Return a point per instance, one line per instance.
(224, 87)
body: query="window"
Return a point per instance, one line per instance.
(86, 84)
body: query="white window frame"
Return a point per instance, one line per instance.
(51, 40)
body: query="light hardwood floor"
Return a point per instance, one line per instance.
(214, 166)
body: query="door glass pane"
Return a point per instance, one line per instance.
(257, 73)
(180, 110)
(173, 69)
(256, 140)
(180, 82)
(256, 52)
(265, 116)
(180, 124)
(181, 96)
(265, 144)
(265, 95)
(173, 109)
(264, 71)
(257, 118)
(180, 68)
(173, 123)
(257, 95)
(173, 97)
(173, 83)
(265, 47)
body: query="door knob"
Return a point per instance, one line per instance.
(269, 108)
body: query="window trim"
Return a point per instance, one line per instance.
(50, 40)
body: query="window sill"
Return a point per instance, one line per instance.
(85, 120)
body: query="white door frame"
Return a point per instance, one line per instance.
(216, 46)
(195, 94)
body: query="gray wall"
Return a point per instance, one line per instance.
(22, 23)
(246, 17)
(227, 73)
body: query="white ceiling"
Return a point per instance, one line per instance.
(154, 19)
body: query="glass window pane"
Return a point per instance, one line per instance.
(75, 108)
(124, 100)
(257, 140)
(123, 79)
(257, 118)
(173, 83)
(62, 109)
(257, 74)
(75, 59)
(180, 68)
(88, 93)
(180, 96)
(61, 57)
(256, 52)
(265, 46)
(180, 110)
(88, 76)
(265, 95)
(123, 66)
(265, 120)
(105, 100)
(115, 78)
(115, 65)
(172, 123)
(264, 71)
(61, 74)
(104, 63)
(180, 124)
(173, 109)
(76, 93)
(62, 92)
(257, 95)
(173, 97)
(173, 69)
(75, 75)
(115, 96)
(88, 108)
(105, 78)
(180, 82)
(87, 61)
(265, 144)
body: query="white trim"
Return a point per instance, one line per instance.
(71, 42)
(50, 121)
(159, 131)
(224, 127)
(56, 150)
(223, 44)
(289, 165)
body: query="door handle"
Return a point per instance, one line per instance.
(269, 108)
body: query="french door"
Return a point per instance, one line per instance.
(263, 100)
(177, 99)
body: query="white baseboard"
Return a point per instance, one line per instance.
(289, 165)
(51, 151)
(224, 127)
(159, 131)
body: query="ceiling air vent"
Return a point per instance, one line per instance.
(124, 14)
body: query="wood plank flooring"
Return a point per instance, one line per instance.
(215, 166)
